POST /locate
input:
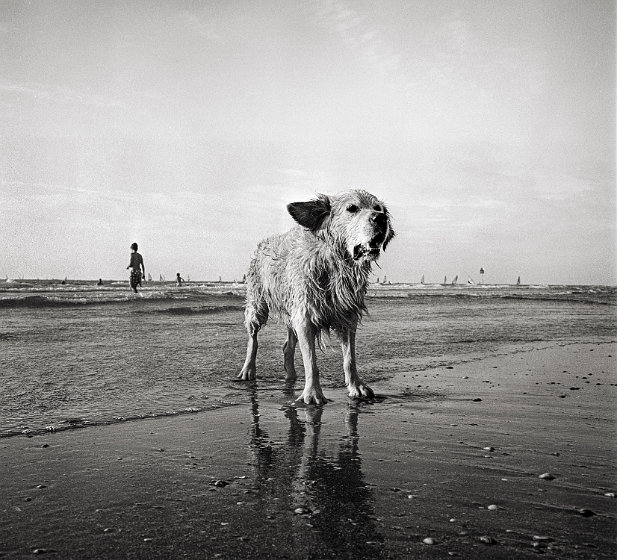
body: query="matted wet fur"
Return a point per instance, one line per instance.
(314, 277)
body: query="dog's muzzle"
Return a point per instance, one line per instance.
(372, 249)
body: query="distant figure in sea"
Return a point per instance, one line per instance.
(100, 282)
(179, 279)
(138, 270)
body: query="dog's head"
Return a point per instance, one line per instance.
(355, 221)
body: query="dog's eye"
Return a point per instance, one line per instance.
(377, 208)
(352, 208)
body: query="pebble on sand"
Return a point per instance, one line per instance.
(547, 476)
(586, 512)
(428, 540)
(492, 507)
(485, 539)
(302, 511)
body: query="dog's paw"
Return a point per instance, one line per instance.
(312, 396)
(248, 373)
(361, 391)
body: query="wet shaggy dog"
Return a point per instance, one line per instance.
(314, 277)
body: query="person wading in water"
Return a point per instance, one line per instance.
(138, 270)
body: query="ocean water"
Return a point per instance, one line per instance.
(76, 354)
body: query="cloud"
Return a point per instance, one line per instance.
(58, 94)
(202, 24)
(361, 37)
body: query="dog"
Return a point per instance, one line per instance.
(314, 277)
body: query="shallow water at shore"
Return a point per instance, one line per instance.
(78, 354)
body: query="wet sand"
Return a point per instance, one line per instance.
(451, 466)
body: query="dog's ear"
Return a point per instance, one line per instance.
(312, 213)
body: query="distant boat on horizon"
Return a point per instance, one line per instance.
(518, 281)
(422, 279)
(455, 280)
(470, 280)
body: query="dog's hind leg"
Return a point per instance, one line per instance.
(306, 334)
(289, 350)
(254, 320)
(355, 385)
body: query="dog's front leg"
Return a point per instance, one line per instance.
(357, 388)
(249, 369)
(306, 333)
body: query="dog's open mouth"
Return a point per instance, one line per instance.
(370, 250)
(367, 250)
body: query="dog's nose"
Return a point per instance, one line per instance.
(379, 219)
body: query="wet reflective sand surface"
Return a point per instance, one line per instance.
(448, 461)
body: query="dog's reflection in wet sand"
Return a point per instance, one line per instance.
(323, 494)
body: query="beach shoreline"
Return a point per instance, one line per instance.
(450, 465)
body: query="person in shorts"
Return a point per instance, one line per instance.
(138, 270)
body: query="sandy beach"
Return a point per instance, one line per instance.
(504, 456)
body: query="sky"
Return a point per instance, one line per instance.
(486, 126)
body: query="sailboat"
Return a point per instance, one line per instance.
(455, 280)
(445, 279)
(422, 279)
(469, 279)
(161, 278)
(518, 281)
(149, 277)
